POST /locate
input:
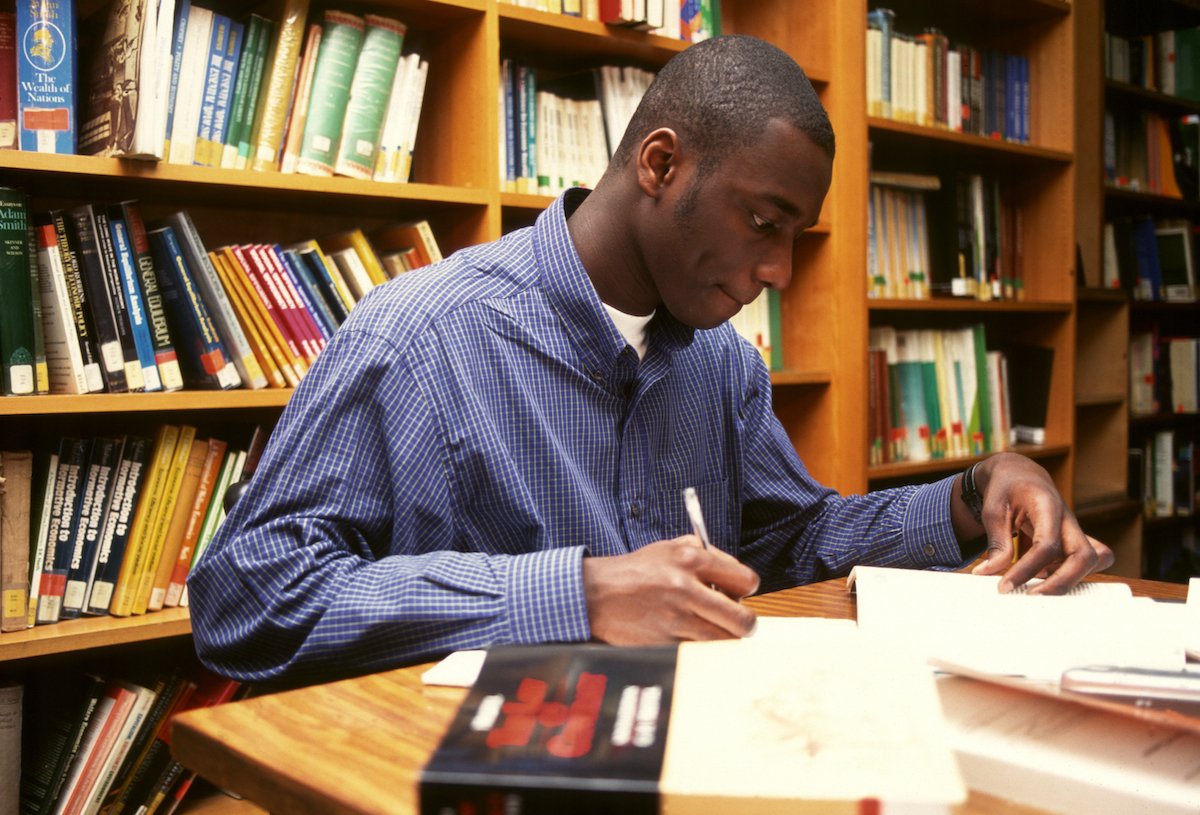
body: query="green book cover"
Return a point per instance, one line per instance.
(41, 369)
(370, 92)
(254, 89)
(16, 297)
(983, 444)
(251, 43)
(341, 40)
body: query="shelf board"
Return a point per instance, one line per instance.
(562, 33)
(1175, 104)
(1105, 506)
(1091, 294)
(879, 124)
(1161, 419)
(56, 404)
(906, 469)
(93, 632)
(1127, 198)
(1113, 399)
(966, 305)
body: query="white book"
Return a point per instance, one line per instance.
(190, 91)
(157, 122)
(64, 360)
(143, 701)
(38, 559)
(351, 266)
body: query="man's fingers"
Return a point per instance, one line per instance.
(1069, 559)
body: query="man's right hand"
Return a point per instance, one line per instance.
(667, 592)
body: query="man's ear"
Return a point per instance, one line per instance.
(657, 159)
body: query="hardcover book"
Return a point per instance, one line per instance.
(16, 296)
(731, 726)
(46, 87)
(369, 93)
(341, 39)
(16, 468)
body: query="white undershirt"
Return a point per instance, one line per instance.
(632, 328)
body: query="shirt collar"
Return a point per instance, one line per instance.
(574, 298)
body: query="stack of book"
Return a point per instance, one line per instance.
(1163, 61)
(97, 299)
(690, 20)
(1155, 260)
(925, 80)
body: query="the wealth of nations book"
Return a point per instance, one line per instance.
(822, 722)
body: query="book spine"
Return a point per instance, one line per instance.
(369, 91)
(217, 301)
(242, 89)
(46, 86)
(16, 468)
(299, 112)
(214, 60)
(81, 313)
(176, 526)
(72, 456)
(297, 296)
(243, 266)
(185, 122)
(115, 288)
(135, 306)
(309, 290)
(249, 318)
(127, 490)
(63, 356)
(93, 507)
(157, 532)
(37, 554)
(263, 273)
(165, 357)
(214, 459)
(262, 56)
(182, 10)
(41, 373)
(82, 222)
(269, 120)
(234, 45)
(16, 312)
(8, 80)
(341, 40)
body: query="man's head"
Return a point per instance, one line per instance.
(725, 162)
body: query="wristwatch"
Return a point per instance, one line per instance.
(970, 493)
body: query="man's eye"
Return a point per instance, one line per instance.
(761, 222)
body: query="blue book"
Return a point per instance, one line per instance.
(510, 141)
(212, 83)
(95, 493)
(201, 353)
(134, 301)
(72, 465)
(46, 77)
(306, 287)
(118, 520)
(885, 19)
(182, 9)
(229, 70)
(328, 289)
(1145, 249)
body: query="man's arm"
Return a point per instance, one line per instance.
(1019, 499)
(345, 553)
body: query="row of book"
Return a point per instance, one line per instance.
(1150, 152)
(563, 133)
(1164, 61)
(924, 79)
(182, 82)
(97, 299)
(112, 525)
(1162, 474)
(943, 393)
(1164, 373)
(689, 20)
(1154, 260)
(961, 238)
(101, 743)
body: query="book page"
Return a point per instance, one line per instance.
(830, 718)
(1068, 758)
(963, 619)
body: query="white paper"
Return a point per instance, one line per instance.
(458, 670)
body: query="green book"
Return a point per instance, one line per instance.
(244, 117)
(41, 369)
(341, 40)
(251, 41)
(17, 342)
(370, 91)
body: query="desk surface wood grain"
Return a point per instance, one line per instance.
(357, 746)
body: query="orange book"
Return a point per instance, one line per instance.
(213, 459)
(248, 316)
(149, 504)
(189, 486)
(356, 240)
(162, 521)
(272, 319)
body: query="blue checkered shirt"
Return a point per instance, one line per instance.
(478, 427)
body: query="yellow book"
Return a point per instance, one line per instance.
(335, 274)
(269, 116)
(280, 344)
(356, 240)
(148, 506)
(177, 525)
(162, 520)
(248, 316)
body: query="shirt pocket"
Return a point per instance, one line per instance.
(721, 514)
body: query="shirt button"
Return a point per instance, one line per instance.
(597, 375)
(929, 549)
(635, 510)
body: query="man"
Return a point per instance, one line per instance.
(494, 449)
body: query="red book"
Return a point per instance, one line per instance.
(8, 80)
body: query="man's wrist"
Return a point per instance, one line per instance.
(971, 496)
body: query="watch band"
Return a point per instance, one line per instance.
(970, 493)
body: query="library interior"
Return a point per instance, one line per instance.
(196, 194)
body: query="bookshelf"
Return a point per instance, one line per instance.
(1107, 425)
(819, 394)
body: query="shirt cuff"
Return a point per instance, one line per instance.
(928, 531)
(546, 602)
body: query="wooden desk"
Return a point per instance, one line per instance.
(358, 745)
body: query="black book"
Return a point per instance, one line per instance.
(97, 491)
(82, 222)
(119, 298)
(539, 733)
(61, 708)
(81, 313)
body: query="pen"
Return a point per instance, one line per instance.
(692, 503)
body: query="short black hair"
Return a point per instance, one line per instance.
(719, 94)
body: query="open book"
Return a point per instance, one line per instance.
(963, 619)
